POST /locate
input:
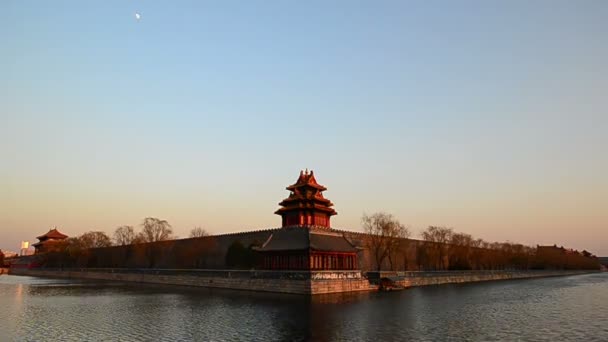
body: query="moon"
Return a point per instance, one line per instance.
(137, 16)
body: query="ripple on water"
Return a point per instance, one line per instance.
(563, 308)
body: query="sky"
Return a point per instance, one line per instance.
(488, 117)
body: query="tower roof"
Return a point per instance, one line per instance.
(52, 234)
(309, 238)
(306, 199)
(306, 179)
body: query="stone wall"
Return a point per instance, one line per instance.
(406, 258)
(412, 279)
(295, 282)
(194, 253)
(340, 285)
(210, 253)
(282, 282)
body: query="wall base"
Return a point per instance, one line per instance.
(302, 283)
(294, 286)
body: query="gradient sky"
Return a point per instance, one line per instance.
(489, 117)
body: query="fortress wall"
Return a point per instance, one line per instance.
(264, 285)
(210, 253)
(207, 252)
(405, 258)
(412, 279)
(238, 282)
(331, 282)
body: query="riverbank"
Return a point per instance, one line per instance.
(413, 279)
(3, 270)
(547, 309)
(294, 282)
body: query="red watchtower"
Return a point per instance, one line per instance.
(306, 205)
(47, 242)
(306, 242)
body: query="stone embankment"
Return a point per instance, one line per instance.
(412, 279)
(295, 282)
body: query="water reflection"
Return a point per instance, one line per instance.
(19, 293)
(568, 308)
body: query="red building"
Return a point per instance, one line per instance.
(48, 241)
(306, 204)
(306, 240)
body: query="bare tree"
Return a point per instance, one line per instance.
(439, 237)
(460, 251)
(399, 252)
(94, 240)
(154, 230)
(198, 232)
(72, 251)
(385, 233)
(124, 235)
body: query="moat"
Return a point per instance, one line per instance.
(549, 309)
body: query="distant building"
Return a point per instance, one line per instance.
(27, 252)
(306, 240)
(49, 241)
(9, 254)
(604, 263)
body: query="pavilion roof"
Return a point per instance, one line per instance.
(306, 179)
(52, 234)
(300, 238)
(301, 206)
(306, 193)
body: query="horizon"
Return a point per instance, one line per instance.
(415, 235)
(486, 118)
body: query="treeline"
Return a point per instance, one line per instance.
(154, 245)
(386, 246)
(476, 254)
(194, 253)
(442, 248)
(152, 230)
(185, 253)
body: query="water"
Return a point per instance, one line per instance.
(551, 309)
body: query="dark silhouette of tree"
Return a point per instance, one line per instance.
(74, 254)
(198, 232)
(1, 259)
(77, 251)
(399, 258)
(460, 251)
(384, 234)
(95, 239)
(239, 256)
(124, 235)
(386, 245)
(478, 256)
(422, 255)
(439, 237)
(154, 230)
